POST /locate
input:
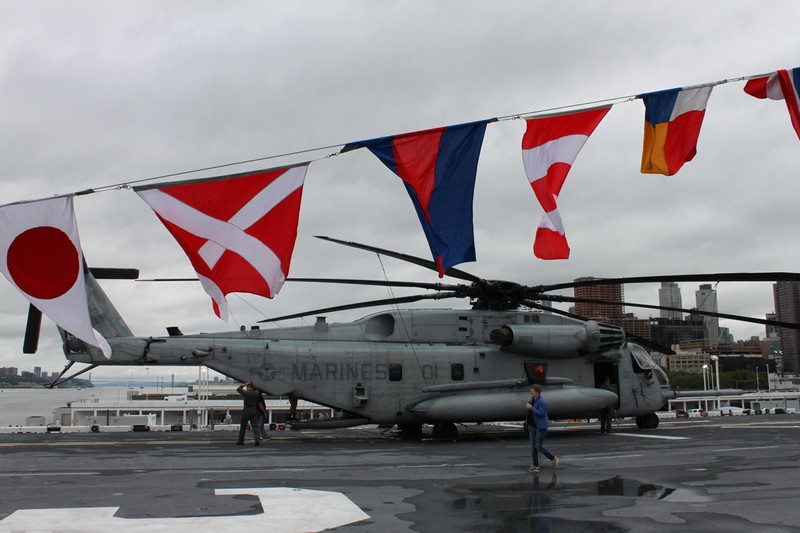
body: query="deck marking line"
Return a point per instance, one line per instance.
(286, 510)
(747, 448)
(647, 436)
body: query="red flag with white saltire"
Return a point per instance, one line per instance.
(549, 148)
(40, 254)
(238, 231)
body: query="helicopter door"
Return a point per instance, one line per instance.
(610, 370)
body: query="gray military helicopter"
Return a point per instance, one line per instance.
(412, 367)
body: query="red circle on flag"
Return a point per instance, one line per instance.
(43, 262)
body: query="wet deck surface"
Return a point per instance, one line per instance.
(724, 474)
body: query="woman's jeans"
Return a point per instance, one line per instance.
(537, 437)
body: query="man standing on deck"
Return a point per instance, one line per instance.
(249, 411)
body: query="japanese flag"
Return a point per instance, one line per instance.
(40, 254)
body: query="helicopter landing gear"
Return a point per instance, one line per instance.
(411, 431)
(648, 421)
(445, 431)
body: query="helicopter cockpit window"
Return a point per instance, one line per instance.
(395, 372)
(641, 359)
(661, 376)
(457, 372)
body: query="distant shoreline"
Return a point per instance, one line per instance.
(43, 384)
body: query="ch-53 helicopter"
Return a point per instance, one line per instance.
(412, 367)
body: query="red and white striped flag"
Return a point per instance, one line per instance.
(781, 85)
(549, 148)
(238, 231)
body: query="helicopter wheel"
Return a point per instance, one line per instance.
(648, 421)
(412, 431)
(445, 431)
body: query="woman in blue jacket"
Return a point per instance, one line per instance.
(537, 421)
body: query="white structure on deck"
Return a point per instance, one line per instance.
(756, 401)
(173, 410)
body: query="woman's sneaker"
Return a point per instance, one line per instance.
(533, 469)
(554, 462)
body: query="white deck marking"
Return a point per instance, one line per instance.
(746, 448)
(595, 457)
(48, 474)
(648, 436)
(443, 465)
(286, 510)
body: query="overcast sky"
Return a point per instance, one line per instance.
(99, 93)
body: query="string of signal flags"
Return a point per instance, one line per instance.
(251, 251)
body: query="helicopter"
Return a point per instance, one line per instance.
(415, 367)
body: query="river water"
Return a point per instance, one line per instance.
(18, 404)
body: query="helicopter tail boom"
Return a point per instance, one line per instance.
(105, 318)
(671, 395)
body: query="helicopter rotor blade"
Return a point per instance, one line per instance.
(717, 277)
(741, 318)
(372, 303)
(349, 281)
(426, 263)
(380, 283)
(647, 343)
(30, 342)
(114, 273)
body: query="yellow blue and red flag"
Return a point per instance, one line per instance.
(780, 85)
(672, 123)
(438, 167)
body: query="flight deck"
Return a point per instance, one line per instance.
(700, 475)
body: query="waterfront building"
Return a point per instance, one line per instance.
(613, 292)
(688, 361)
(201, 410)
(632, 325)
(706, 300)
(787, 309)
(668, 332)
(771, 331)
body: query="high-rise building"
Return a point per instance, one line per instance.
(669, 295)
(771, 331)
(706, 300)
(787, 309)
(607, 312)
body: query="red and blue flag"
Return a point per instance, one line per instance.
(438, 167)
(672, 124)
(781, 85)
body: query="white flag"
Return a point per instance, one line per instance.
(40, 254)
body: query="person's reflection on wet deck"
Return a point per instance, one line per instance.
(539, 504)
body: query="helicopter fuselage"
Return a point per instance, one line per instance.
(418, 366)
